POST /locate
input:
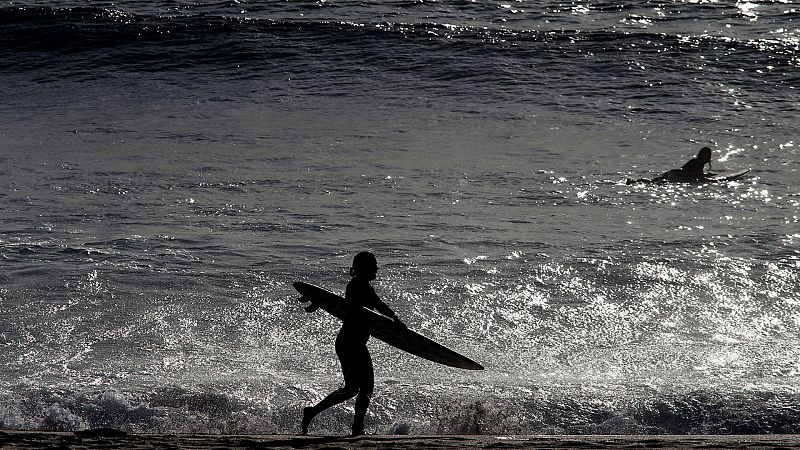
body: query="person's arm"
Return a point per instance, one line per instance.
(371, 300)
(384, 309)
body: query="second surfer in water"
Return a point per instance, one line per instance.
(692, 171)
(351, 344)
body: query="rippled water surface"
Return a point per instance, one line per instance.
(168, 169)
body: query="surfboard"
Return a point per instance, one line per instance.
(385, 329)
(728, 177)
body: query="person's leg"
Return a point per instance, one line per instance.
(346, 392)
(366, 387)
(334, 398)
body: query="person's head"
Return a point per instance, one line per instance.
(364, 265)
(704, 154)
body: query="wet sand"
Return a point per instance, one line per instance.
(108, 439)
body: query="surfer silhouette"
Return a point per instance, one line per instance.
(351, 344)
(692, 171)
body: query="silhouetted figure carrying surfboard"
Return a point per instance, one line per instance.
(351, 344)
(691, 172)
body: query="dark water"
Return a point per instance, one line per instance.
(168, 169)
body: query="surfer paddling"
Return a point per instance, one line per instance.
(351, 344)
(691, 172)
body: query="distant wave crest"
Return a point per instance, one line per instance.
(101, 37)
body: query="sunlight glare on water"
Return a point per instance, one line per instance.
(168, 171)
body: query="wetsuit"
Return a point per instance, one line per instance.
(693, 169)
(351, 349)
(689, 172)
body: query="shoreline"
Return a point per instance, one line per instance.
(110, 439)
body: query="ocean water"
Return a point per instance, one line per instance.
(168, 169)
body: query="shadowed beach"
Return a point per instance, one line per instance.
(109, 440)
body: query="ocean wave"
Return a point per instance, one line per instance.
(213, 409)
(102, 37)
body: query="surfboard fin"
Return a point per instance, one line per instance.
(310, 308)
